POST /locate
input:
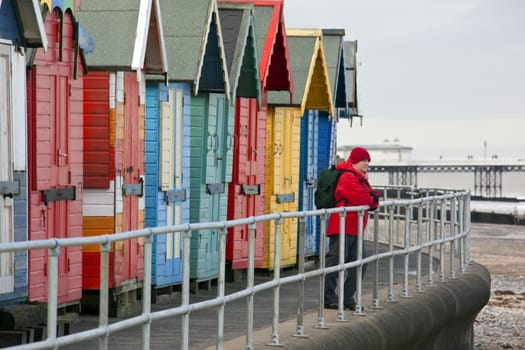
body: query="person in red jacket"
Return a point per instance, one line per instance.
(352, 189)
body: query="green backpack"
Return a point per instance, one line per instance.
(325, 190)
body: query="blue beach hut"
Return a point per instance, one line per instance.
(167, 152)
(351, 109)
(327, 128)
(17, 35)
(167, 179)
(335, 64)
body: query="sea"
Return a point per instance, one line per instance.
(510, 199)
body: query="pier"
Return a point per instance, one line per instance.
(488, 179)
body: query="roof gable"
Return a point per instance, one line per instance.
(150, 50)
(333, 50)
(350, 54)
(21, 22)
(270, 33)
(194, 44)
(82, 43)
(240, 48)
(310, 76)
(127, 33)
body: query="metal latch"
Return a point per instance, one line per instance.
(9, 188)
(286, 198)
(251, 189)
(215, 188)
(59, 194)
(175, 195)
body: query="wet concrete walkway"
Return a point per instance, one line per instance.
(166, 334)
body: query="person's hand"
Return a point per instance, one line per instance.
(375, 195)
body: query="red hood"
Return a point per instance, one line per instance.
(344, 165)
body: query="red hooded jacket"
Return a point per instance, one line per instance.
(352, 189)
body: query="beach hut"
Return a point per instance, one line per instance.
(167, 176)
(293, 127)
(55, 143)
(352, 106)
(333, 42)
(327, 125)
(129, 45)
(244, 192)
(18, 34)
(167, 157)
(196, 58)
(247, 196)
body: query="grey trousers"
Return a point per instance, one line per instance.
(332, 258)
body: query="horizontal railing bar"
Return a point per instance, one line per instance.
(108, 238)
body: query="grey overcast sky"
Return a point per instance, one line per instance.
(441, 76)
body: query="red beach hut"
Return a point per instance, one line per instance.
(129, 45)
(55, 142)
(247, 195)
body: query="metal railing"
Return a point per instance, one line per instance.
(436, 224)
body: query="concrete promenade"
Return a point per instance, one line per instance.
(399, 325)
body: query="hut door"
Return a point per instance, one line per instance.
(131, 172)
(251, 169)
(217, 139)
(179, 104)
(59, 126)
(284, 144)
(311, 118)
(171, 171)
(216, 168)
(6, 171)
(288, 141)
(58, 211)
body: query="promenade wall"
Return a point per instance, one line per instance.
(441, 318)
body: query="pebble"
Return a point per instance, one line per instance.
(501, 323)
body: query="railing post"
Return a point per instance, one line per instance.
(468, 227)
(462, 260)
(185, 298)
(443, 218)
(408, 217)
(430, 237)
(221, 279)
(146, 291)
(322, 265)
(299, 329)
(398, 216)
(453, 231)
(359, 268)
(341, 272)
(250, 284)
(419, 288)
(375, 292)
(52, 292)
(104, 291)
(391, 296)
(276, 289)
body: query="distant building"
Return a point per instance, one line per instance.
(384, 153)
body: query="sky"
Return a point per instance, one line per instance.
(446, 77)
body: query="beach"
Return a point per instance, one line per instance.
(501, 249)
